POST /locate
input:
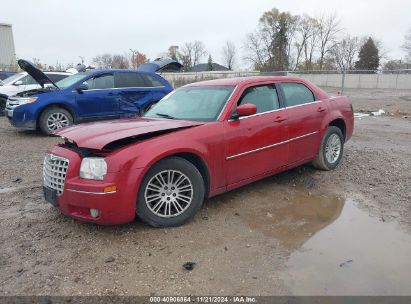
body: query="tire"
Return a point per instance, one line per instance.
(62, 118)
(333, 139)
(161, 203)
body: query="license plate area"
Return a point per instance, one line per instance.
(50, 195)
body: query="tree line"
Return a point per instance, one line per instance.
(280, 42)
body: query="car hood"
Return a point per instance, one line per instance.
(99, 135)
(34, 72)
(161, 65)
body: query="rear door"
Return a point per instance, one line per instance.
(136, 91)
(100, 100)
(256, 144)
(305, 115)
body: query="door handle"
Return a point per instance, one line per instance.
(111, 94)
(321, 109)
(280, 119)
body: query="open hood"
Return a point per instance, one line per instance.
(98, 135)
(161, 65)
(34, 72)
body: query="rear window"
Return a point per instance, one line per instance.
(297, 94)
(129, 80)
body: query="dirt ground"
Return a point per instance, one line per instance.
(256, 240)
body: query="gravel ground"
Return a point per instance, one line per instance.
(240, 241)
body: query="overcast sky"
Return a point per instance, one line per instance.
(64, 30)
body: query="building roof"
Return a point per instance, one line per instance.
(203, 67)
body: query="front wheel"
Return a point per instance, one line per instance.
(331, 149)
(171, 193)
(54, 118)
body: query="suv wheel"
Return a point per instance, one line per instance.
(171, 193)
(54, 118)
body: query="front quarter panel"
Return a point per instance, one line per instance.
(204, 141)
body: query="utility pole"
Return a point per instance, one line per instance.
(82, 59)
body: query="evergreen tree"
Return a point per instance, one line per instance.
(210, 63)
(368, 58)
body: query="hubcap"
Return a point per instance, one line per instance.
(169, 193)
(333, 148)
(57, 120)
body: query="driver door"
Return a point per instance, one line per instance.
(256, 144)
(100, 100)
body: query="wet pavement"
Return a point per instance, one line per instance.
(351, 254)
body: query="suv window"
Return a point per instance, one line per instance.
(297, 94)
(129, 80)
(264, 97)
(56, 77)
(101, 82)
(28, 80)
(152, 81)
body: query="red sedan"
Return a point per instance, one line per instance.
(201, 140)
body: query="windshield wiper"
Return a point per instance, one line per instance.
(165, 116)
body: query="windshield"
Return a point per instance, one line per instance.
(192, 103)
(11, 79)
(68, 81)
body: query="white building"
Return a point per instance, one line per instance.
(7, 50)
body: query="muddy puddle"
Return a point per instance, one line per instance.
(336, 248)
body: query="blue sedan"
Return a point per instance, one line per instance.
(86, 96)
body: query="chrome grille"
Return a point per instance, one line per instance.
(54, 172)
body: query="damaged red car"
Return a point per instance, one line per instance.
(201, 140)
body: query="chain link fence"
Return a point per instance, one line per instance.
(353, 79)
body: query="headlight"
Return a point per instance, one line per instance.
(22, 101)
(93, 168)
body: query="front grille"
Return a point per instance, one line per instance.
(54, 172)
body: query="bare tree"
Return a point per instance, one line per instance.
(328, 28)
(269, 47)
(186, 56)
(229, 54)
(173, 51)
(256, 50)
(104, 61)
(120, 62)
(345, 51)
(191, 54)
(199, 51)
(304, 32)
(407, 45)
(137, 59)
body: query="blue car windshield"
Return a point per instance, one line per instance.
(68, 81)
(192, 103)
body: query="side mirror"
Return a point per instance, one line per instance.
(246, 109)
(18, 83)
(82, 87)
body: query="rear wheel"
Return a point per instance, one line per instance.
(54, 118)
(171, 193)
(331, 149)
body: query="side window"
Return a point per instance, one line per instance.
(56, 77)
(297, 94)
(152, 81)
(264, 97)
(101, 82)
(129, 80)
(28, 80)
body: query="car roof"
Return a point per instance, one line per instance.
(242, 80)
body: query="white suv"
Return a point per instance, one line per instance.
(21, 82)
